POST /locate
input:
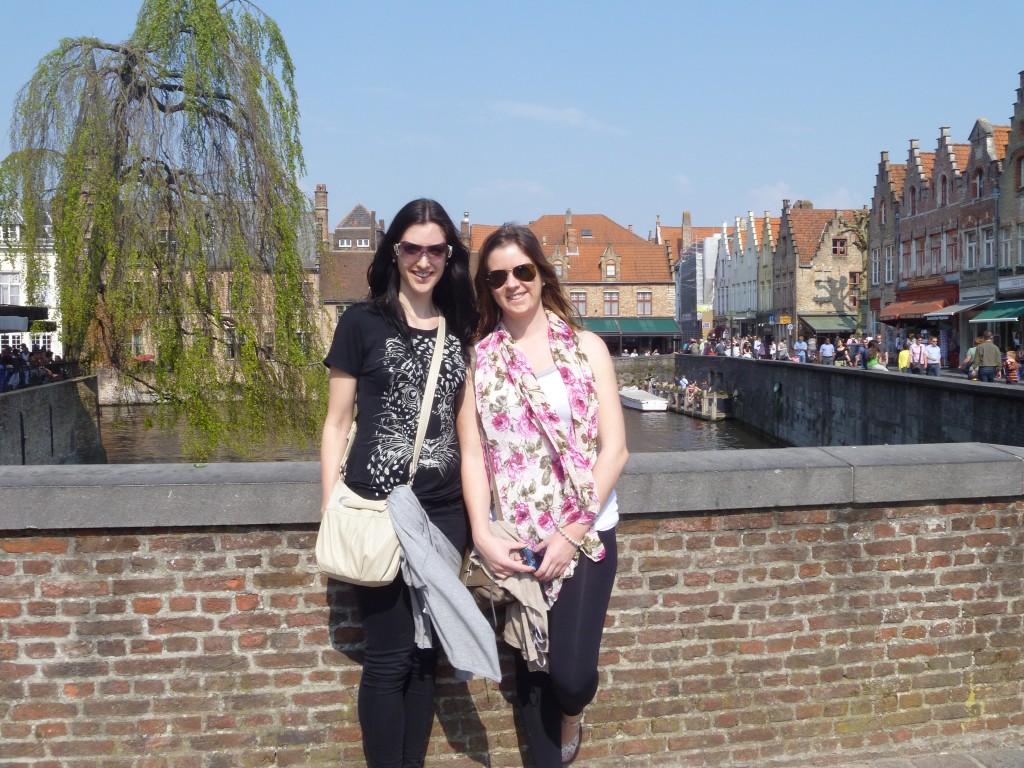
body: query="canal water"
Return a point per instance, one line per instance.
(127, 441)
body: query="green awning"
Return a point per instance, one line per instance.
(830, 323)
(648, 326)
(601, 325)
(1001, 312)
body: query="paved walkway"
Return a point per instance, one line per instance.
(1007, 757)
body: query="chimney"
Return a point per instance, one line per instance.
(657, 229)
(630, 227)
(687, 231)
(320, 205)
(373, 235)
(568, 217)
(464, 229)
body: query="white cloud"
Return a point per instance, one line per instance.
(768, 197)
(567, 116)
(683, 182)
(839, 198)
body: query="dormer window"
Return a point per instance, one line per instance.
(558, 268)
(609, 269)
(587, 233)
(344, 242)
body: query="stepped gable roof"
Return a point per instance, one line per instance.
(807, 226)
(927, 163)
(1002, 138)
(897, 175)
(962, 155)
(343, 275)
(358, 218)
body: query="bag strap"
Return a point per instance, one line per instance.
(428, 395)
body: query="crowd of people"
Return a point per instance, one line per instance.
(915, 354)
(21, 367)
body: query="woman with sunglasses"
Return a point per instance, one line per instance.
(379, 361)
(554, 444)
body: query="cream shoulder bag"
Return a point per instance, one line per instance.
(357, 542)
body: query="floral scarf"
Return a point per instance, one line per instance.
(542, 471)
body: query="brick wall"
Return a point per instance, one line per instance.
(735, 637)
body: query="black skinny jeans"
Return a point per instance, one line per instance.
(575, 624)
(396, 691)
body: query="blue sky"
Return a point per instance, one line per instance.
(631, 109)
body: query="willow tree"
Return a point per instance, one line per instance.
(169, 165)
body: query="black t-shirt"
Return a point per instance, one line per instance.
(389, 391)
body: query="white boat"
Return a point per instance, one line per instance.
(642, 400)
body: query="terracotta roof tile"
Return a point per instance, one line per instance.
(807, 226)
(897, 175)
(961, 155)
(1002, 138)
(927, 163)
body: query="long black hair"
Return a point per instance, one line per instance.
(453, 295)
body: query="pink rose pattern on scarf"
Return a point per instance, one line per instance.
(543, 472)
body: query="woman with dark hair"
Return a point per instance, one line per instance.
(378, 362)
(553, 445)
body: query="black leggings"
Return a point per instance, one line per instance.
(396, 691)
(575, 624)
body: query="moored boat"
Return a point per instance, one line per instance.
(642, 400)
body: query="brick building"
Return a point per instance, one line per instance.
(946, 233)
(347, 256)
(816, 272)
(620, 283)
(883, 242)
(1005, 314)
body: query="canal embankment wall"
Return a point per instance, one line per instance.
(788, 607)
(54, 423)
(809, 405)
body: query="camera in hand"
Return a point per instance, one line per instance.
(530, 557)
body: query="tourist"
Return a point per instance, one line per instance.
(842, 355)
(546, 393)
(917, 356)
(1011, 374)
(933, 357)
(988, 357)
(801, 349)
(903, 359)
(828, 352)
(873, 359)
(379, 361)
(970, 363)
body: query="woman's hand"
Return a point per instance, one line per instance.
(558, 553)
(501, 555)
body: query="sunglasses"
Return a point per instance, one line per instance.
(413, 252)
(524, 273)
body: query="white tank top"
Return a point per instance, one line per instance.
(554, 389)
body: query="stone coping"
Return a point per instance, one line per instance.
(52, 498)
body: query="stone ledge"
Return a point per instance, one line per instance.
(286, 493)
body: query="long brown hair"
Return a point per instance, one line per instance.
(551, 295)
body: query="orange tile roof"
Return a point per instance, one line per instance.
(807, 226)
(1002, 138)
(897, 175)
(962, 154)
(927, 163)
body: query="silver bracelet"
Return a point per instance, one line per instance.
(568, 538)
